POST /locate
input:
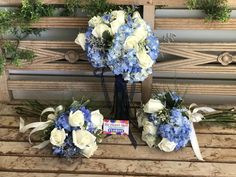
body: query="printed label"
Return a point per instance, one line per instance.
(116, 127)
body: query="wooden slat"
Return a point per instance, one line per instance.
(205, 140)
(5, 94)
(55, 67)
(203, 127)
(62, 85)
(148, 15)
(168, 3)
(192, 24)
(61, 22)
(30, 174)
(198, 89)
(141, 152)
(125, 167)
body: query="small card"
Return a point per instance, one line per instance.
(116, 127)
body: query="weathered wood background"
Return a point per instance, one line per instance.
(188, 67)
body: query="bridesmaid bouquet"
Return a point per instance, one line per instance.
(168, 124)
(70, 131)
(121, 41)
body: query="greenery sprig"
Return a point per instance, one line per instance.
(215, 10)
(16, 22)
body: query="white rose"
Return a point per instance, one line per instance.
(115, 25)
(153, 106)
(149, 139)
(141, 33)
(131, 42)
(150, 128)
(76, 119)
(100, 29)
(97, 119)
(83, 138)
(57, 137)
(118, 15)
(166, 145)
(96, 20)
(89, 151)
(144, 59)
(141, 22)
(136, 15)
(81, 40)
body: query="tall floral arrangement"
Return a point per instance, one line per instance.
(122, 42)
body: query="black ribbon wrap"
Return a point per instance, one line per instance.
(121, 102)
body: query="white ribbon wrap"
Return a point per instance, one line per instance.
(39, 126)
(194, 143)
(195, 116)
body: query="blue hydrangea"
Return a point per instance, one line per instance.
(125, 62)
(62, 122)
(119, 60)
(177, 130)
(68, 150)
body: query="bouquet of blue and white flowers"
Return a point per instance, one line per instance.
(122, 42)
(168, 124)
(71, 131)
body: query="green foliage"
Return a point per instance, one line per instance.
(11, 52)
(71, 7)
(16, 22)
(215, 10)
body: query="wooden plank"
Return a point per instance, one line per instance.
(192, 24)
(55, 67)
(197, 89)
(123, 2)
(61, 22)
(115, 167)
(160, 23)
(62, 85)
(205, 140)
(148, 15)
(204, 127)
(5, 94)
(30, 174)
(140, 153)
(168, 3)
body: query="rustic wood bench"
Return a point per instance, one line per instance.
(116, 156)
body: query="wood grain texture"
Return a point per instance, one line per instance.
(62, 85)
(192, 24)
(196, 58)
(125, 167)
(167, 3)
(12, 121)
(148, 16)
(5, 94)
(18, 158)
(205, 140)
(61, 22)
(198, 89)
(141, 153)
(30, 174)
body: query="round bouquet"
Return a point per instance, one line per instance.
(122, 42)
(125, 44)
(71, 132)
(165, 122)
